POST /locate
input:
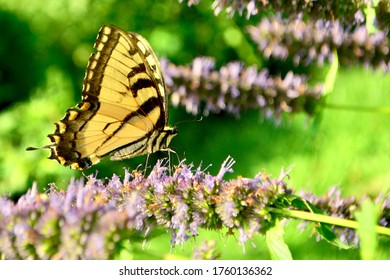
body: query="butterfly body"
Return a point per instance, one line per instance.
(124, 108)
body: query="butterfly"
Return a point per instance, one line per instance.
(124, 107)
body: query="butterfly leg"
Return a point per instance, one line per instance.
(146, 164)
(169, 159)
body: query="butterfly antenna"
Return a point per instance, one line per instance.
(189, 121)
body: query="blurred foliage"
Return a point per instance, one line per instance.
(14, 53)
(45, 47)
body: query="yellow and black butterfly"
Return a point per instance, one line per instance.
(124, 109)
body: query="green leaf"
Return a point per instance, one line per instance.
(275, 242)
(328, 234)
(124, 251)
(331, 75)
(370, 14)
(367, 217)
(323, 229)
(302, 204)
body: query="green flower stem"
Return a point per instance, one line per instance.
(379, 109)
(325, 219)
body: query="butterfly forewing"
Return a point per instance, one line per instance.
(124, 108)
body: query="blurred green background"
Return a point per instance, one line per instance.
(45, 47)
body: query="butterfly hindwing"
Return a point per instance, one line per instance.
(124, 108)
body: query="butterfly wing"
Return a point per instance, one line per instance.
(124, 107)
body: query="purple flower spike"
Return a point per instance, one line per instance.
(202, 89)
(314, 42)
(345, 11)
(92, 220)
